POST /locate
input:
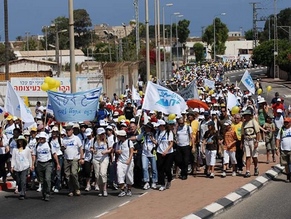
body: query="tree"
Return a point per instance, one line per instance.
(183, 30)
(199, 51)
(249, 34)
(221, 35)
(32, 43)
(11, 55)
(83, 24)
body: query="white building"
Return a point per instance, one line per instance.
(51, 55)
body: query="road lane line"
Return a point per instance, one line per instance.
(100, 215)
(124, 204)
(143, 194)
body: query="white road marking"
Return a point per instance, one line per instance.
(233, 76)
(100, 215)
(124, 204)
(143, 194)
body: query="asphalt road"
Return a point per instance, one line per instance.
(272, 201)
(88, 205)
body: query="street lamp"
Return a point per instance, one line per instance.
(214, 38)
(45, 34)
(164, 37)
(177, 38)
(171, 36)
(58, 50)
(108, 36)
(27, 42)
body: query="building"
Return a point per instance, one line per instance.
(102, 30)
(51, 55)
(25, 67)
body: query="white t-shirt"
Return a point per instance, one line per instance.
(12, 145)
(5, 143)
(9, 130)
(72, 145)
(42, 152)
(285, 139)
(39, 112)
(101, 147)
(163, 139)
(21, 160)
(32, 143)
(125, 150)
(82, 137)
(111, 141)
(148, 145)
(87, 150)
(56, 147)
(183, 135)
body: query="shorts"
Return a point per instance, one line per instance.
(270, 145)
(285, 158)
(210, 157)
(249, 148)
(229, 155)
(125, 173)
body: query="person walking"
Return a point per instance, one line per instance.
(43, 154)
(100, 161)
(250, 137)
(283, 143)
(73, 156)
(21, 162)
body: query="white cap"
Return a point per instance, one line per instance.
(123, 124)
(279, 111)
(103, 123)
(76, 125)
(55, 129)
(63, 132)
(120, 133)
(196, 110)
(116, 113)
(202, 110)
(88, 131)
(279, 99)
(100, 131)
(26, 132)
(161, 122)
(42, 135)
(109, 127)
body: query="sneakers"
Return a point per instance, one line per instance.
(162, 188)
(47, 198)
(168, 185)
(223, 174)
(122, 194)
(97, 188)
(233, 173)
(129, 193)
(105, 194)
(100, 194)
(71, 194)
(256, 172)
(78, 192)
(88, 188)
(39, 188)
(154, 186)
(56, 191)
(247, 175)
(115, 186)
(16, 190)
(21, 197)
(146, 186)
(211, 175)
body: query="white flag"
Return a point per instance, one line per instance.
(190, 92)
(135, 94)
(248, 82)
(16, 107)
(162, 99)
(231, 100)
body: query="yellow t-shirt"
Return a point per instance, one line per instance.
(194, 127)
(237, 129)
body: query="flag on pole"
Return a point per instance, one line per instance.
(248, 82)
(16, 107)
(76, 107)
(135, 94)
(231, 100)
(190, 92)
(162, 99)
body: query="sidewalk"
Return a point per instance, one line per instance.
(185, 197)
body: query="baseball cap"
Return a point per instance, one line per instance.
(279, 111)
(132, 120)
(42, 135)
(279, 99)
(227, 123)
(55, 129)
(100, 131)
(88, 131)
(26, 132)
(120, 133)
(109, 127)
(287, 119)
(69, 125)
(161, 122)
(76, 125)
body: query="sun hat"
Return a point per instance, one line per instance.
(121, 133)
(100, 131)
(88, 131)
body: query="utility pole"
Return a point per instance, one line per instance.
(202, 31)
(137, 43)
(275, 40)
(255, 19)
(147, 39)
(72, 47)
(7, 47)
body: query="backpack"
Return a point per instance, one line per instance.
(114, 146)
(50, 149)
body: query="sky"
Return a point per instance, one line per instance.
(31, 15)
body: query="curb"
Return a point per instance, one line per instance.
(233, 198)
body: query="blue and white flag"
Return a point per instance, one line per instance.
(209, 83)
(231, 100)
(190, 92)
(76, 107)
(162, 99)
(135, 94)
(248, 82)
(49, 108)
(15, 106)
(1, 110)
